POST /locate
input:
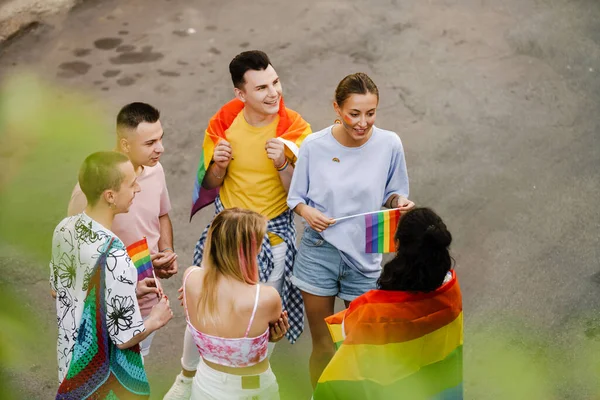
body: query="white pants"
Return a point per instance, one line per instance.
(276, 278)
(210, 384)
(190, 357)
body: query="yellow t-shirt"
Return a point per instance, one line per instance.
(252, 181)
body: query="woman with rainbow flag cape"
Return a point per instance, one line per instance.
(404, 340)
(345, 169)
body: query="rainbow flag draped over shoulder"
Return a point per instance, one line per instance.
(140, 255)
(380, 231)
(397, 345)
(291, 129)
(98, 368)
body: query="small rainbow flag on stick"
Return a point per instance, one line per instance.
(140, 255)
(380, 231)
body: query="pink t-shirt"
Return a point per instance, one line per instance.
(141, 220)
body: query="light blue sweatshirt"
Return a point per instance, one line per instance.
(341, 181)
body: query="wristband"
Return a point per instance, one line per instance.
(283, 166)
(217, 176)
(167, 249)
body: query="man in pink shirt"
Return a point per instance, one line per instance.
(139, 136)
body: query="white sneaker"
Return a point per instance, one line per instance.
(181, 389)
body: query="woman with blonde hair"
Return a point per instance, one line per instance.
(229, 314)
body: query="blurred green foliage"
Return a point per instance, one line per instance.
(45, 133)
(513, 358)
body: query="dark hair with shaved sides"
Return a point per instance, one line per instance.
(255, 60)
(134, 114)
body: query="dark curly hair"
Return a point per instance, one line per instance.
(422, 260)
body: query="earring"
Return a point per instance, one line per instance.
(337, 121)
(112, 206)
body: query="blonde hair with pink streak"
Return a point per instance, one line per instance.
(231, 250)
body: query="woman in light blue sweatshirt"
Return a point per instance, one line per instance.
(348, 168)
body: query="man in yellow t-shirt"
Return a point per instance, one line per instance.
(252, 168)
(251, 180)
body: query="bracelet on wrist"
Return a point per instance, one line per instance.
(167, 249)
(217, 176)
(283, 166)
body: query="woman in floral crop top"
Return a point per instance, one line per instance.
(229, 314)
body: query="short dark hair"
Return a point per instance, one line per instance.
(358, 83)
(134, 114)
(255, 60)
(99, 172)
(422, 260)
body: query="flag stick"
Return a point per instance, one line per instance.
(158, 285)
(367, 213)
(156, 281)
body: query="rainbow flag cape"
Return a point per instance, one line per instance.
(291, 129)
(397, 345)
(98, 368)
(380, 231)
(140, 255)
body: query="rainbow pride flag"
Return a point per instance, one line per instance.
(140, 255)
(397, 345)
(292, 129)
(380, 231)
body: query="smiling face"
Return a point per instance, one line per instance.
(143, 145)
(261, 91)
(357, 113)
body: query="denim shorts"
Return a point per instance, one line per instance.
(319, 269)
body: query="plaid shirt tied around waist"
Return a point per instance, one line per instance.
(291, 299)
